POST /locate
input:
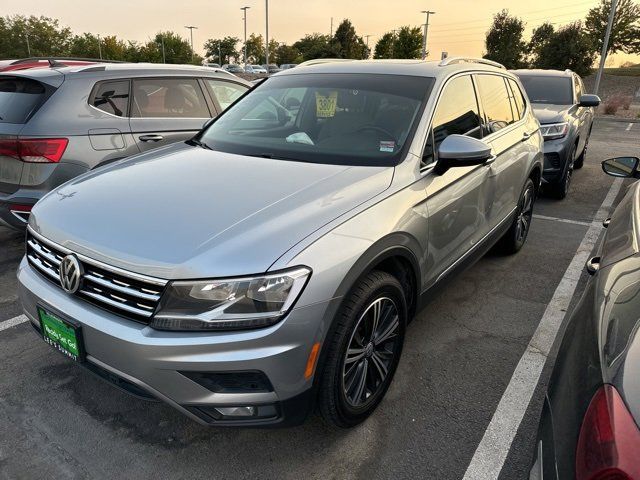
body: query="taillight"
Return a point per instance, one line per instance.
(609, 442)
(34, 150)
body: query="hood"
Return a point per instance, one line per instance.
(187, 212)
(550, 113)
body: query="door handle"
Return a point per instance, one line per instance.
(151, 138)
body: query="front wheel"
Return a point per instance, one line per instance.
(364, 350)
(514, 239)
(560, 189)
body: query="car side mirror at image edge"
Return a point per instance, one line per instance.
(622, 167)
(462, 151)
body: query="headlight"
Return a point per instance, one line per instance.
(229, 304)
(552, 131)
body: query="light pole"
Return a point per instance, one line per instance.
(26, 34)
(164, 57)
(100, 47)
(426, 28)
(393, 41)
(244, 17)
(190, 27)
(368, 51)
(266, 44)
(605, 45)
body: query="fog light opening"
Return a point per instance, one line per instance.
(239, 411)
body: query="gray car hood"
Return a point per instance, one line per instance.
(187, 212)
(550, 113)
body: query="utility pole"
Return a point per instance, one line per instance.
(220, 53)
(266, 45)
(426, 29)
(331, 31)
(100, 47)
(190, 27)
(605, 45)
(164, 58)
(393, 41)
(26, 34)
(244, 17)
(368, 51)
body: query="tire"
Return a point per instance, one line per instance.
(359, 366)
(579, 163)
(560, 189)
(516, 236)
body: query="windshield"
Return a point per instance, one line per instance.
(551, 90)
(349, 119)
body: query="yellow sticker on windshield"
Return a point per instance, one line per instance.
(326, 104)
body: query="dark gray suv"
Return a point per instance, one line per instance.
(57, 123)
(565, 114)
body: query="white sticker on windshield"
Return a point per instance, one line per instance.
(387, 146)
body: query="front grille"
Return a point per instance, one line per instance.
(125, 293)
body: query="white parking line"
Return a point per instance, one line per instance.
(563, 220)
(12, 322)
(489, 457)
(629, 127)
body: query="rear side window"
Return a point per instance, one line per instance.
(112, 97)
(517, 99)
(456, 113)
(168, 98)
(225, 92)
(19, 98)
(495, 103)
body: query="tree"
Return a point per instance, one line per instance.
(315, 45)
(255, 49)
(85, 45)
(408, 43)
(227, 48)
(504, 41)
(625, 34)
(286, 54)
(45, 36)
(569, 47)
(384, 46)
(539, 38)
(348, 43)
(176, 49)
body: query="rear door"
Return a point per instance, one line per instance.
(20, 98)
(167, 110)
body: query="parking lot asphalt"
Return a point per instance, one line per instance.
(58, 421)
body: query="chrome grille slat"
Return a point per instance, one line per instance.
(113, 303)
(114, 286)
(132, 295)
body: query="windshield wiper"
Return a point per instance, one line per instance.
(276, 157)
(198, 143)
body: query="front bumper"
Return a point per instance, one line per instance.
(556, 153)
(156, 363)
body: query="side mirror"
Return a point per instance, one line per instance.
(626, 167)
(462, 151)
(589, 100)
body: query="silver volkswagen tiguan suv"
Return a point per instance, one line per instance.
(59, 122)
(272, 262)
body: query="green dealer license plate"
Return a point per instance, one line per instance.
(61, 335)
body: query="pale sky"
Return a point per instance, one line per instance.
(458, 27)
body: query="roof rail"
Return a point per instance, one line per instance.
(60, 60)
(457, 60)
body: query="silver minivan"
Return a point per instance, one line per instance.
(271, 263)
(59, 122)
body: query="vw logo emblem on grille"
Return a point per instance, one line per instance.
(70, 274)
